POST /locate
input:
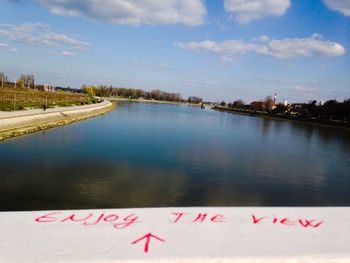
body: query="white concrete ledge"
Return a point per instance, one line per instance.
(202, 234)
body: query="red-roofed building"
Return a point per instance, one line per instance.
(261, 105)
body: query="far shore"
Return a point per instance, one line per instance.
(324, 123)
(151, 101)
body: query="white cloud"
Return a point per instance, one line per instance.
(165, 67)
(38, 35)
(248, 10)
(304, 91)
(298, 88)
(2, 45)
(8, 48)
(229, 59)
(342, 6)
(282, 49)
(263, 38)
(80, 48)
(61, 38)
(68, 54)
(132, 12)
(301, 47)
(227, 47)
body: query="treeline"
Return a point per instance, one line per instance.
(25, 80)
(329, 110)
(332, 110)
(110, 91)
(28, 81)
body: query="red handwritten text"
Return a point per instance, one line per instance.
(148, 238)
(90, 219)
(199, 218)
(288, 222)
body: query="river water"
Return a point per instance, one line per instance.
(157, 155)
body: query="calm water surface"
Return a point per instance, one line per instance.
(154, 155)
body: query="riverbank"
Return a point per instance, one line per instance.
(152, 101)
(321, 122)
(18, 123)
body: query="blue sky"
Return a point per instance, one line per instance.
(218, 49)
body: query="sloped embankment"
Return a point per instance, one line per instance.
(21, 125)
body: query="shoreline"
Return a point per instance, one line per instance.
(15, 126)
(322, 123)
(151, 101)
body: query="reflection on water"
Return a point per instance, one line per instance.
(153, 155)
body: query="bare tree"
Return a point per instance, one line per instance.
(3, 79)
(194, 99)
(28, 80)
(239, 104)
(268, 103)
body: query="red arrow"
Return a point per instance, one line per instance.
(148, 237)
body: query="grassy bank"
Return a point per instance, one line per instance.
(20, 99)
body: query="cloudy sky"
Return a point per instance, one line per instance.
(215, 49)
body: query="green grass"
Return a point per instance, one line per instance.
(19, 99)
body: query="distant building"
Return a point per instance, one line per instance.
(285, 102)
(49, 88)
(261, 104)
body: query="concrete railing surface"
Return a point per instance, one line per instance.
(201, 234)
